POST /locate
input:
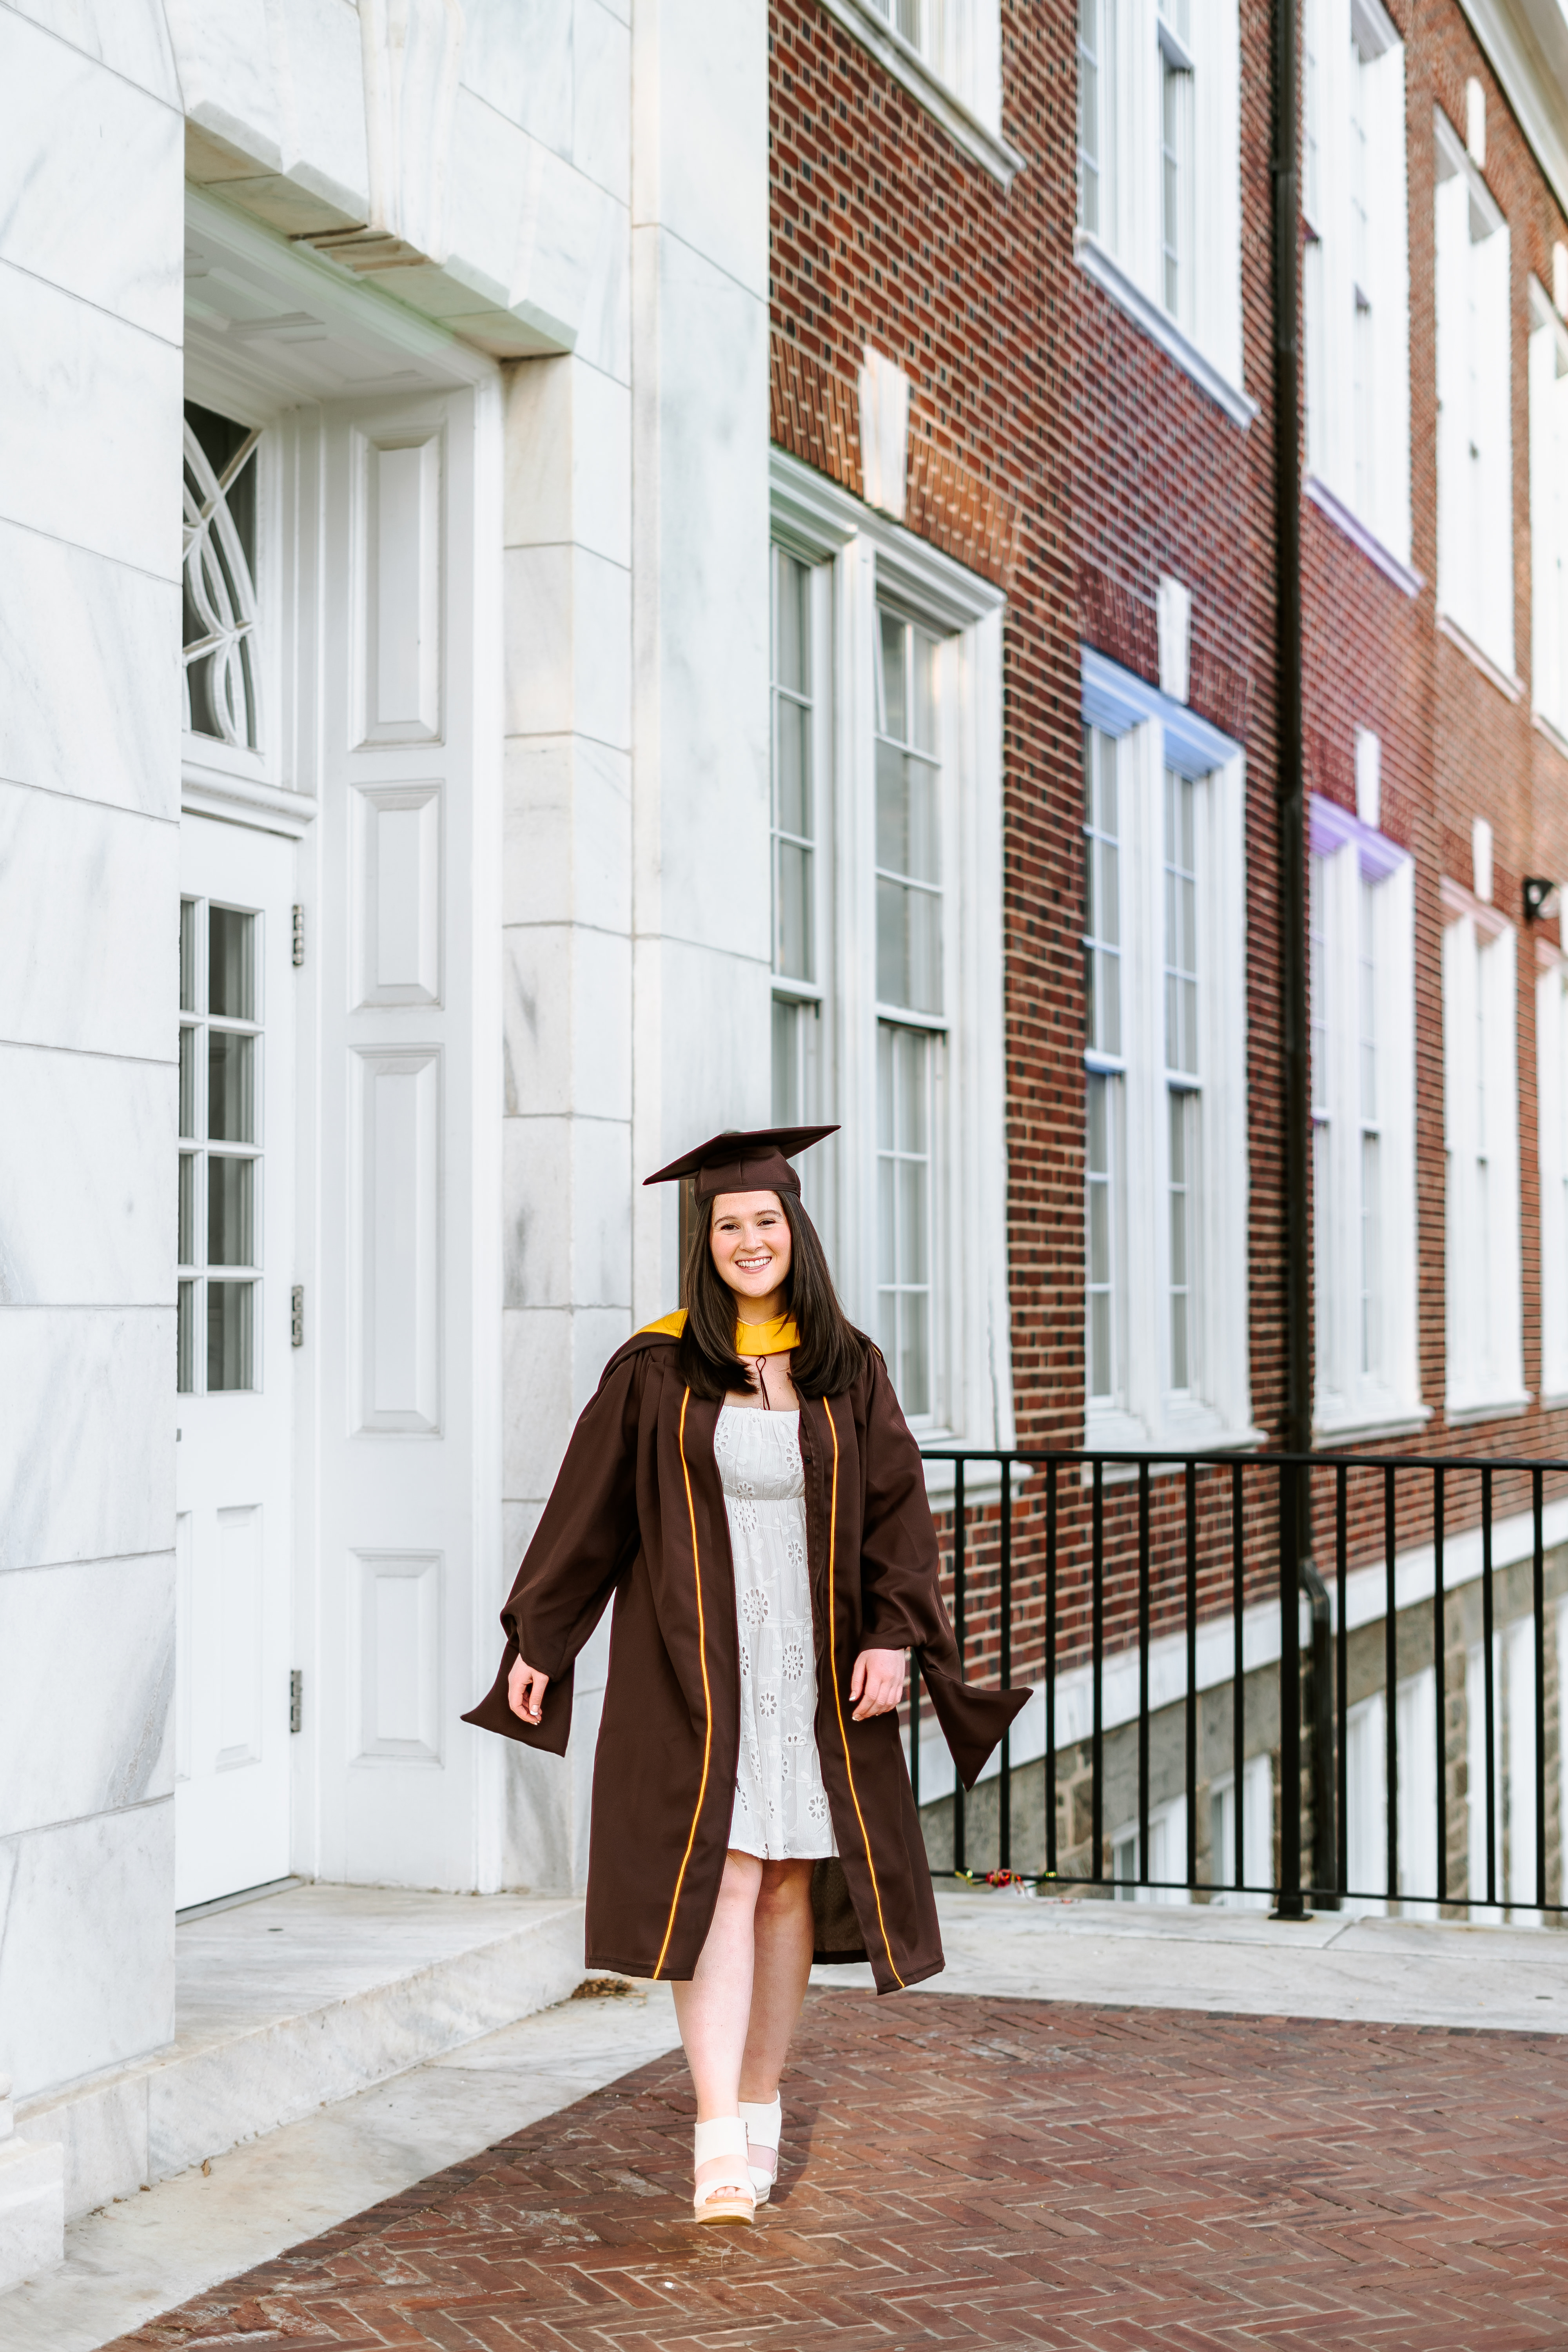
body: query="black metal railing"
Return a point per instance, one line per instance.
(1068, 1562)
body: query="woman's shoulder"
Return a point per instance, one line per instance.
(634, 1355)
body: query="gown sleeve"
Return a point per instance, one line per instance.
(586, 1533)
(900, 1596)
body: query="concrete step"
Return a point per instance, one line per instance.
(296, 2000)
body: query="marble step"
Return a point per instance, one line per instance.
(298, 1998)
(32, 2207)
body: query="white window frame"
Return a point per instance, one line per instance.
(948, 55)
(1357, 290)
(865, 561)
(1475, 430)
(1548, 513)
(1348, 858)
(204, 758)
(1484, 1329)
(798, 1000)
(1154, 734)
(1551, 1150)
(1140, 42)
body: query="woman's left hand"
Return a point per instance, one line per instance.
(877, 1682)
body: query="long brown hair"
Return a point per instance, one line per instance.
(832, 1353)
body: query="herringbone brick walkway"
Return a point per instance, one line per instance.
(968, 2172)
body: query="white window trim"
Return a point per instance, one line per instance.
(1126, 260)
(977, 128)
(1408, 582)
(1466, 923)
(873, 559)
(1100, 263)
(1160, 733)
(1548, 349)
(1328, 282)
(1487, 637)
(1346, 1401)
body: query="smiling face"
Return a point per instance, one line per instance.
(750, 1239)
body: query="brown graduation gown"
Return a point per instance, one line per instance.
(637, 1511)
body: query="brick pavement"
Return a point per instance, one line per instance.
(970, 2171)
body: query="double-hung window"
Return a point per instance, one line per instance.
(1485, 1361)
(957, 42)
(1165, 1333)
(1552, 1132)
(798, 754)
(1104, 1071)
(887, 1003)
(1356, 277)
(1363, 1125)
(1158, 217)
(909, 1023)
(1475, 463)
(1548, 510)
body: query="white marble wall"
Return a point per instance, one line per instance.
(566, 187)
(700, 886)
(91, 215)
(636, 854)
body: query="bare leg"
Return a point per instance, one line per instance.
(783, 1938)
(713, 2008)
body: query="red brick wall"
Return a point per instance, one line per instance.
(1056, 449)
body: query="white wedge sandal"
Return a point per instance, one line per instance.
(763, 2126)
(726, 2195)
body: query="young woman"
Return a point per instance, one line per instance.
(746, 1487)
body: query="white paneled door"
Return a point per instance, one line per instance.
(234, 1409)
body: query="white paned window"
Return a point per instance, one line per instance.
(222, 656)
(1097, 118)
(1183, 1079)
(802, 948)
(1165, 1161)
(1363, 1126)
(1551, 1136)
(1548, 509)
(219, 1219)
(909, 828)
(887, 988)
(1159, 176)
(1356, 277)
(959, 41)
(1105, 1166)
(1176, 161)
(1485, 1363)
(1475, 465)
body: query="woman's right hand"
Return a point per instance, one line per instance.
(525, 1689)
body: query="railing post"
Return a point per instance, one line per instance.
(1289, 1905)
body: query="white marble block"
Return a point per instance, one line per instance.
(32, 2201)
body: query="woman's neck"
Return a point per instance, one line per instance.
(761, 1310)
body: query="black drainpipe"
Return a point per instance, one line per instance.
(1296, 1528)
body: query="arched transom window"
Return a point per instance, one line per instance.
(222, 688)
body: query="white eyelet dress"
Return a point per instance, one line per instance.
(781, 1807)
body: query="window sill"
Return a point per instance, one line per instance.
(1345, 519)
(1109, 275)
(981, 1480)
(1504, 681)
(904, 62)
(1125, 1433)
(1551, 730)
(1332, 1431)
(1503, 1408)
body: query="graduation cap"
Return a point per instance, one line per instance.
(754, 1162)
